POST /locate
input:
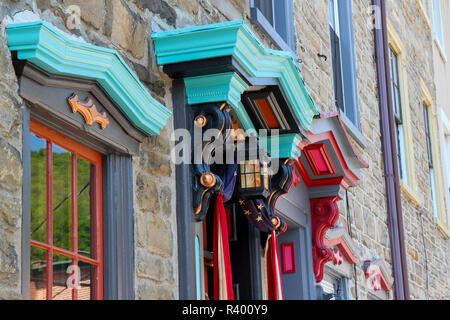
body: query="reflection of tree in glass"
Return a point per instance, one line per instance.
(38, 195)
(62, 203)
(84, 207)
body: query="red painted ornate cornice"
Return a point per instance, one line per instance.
(376, 272)
(339, 237)
(328, 155)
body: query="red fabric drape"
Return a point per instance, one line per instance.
(223, 284)
(274, 284)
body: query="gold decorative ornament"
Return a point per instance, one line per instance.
(276, 222)
(88, 110)
(208, 180)
(200, 121)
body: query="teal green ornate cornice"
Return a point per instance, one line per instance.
(235, 39)
(282, 146)
(219, 87)
(51, 50)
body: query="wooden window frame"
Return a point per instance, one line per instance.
(94, 158)
(346, 98)
(438, 30)
(268, 24)
(424, 12)
(409, 185)
(445, 160)
(336, 61)
(436, 178)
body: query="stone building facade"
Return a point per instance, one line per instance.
(127, 25)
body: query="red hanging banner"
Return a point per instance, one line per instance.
(223, 284)
(274, 284)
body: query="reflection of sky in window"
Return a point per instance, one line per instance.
(37, 143)
(58, 149)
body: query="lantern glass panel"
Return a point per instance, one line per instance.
(266, 175)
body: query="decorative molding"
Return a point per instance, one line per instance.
(282, 146)
(206, 183)
(328, 156)
(234, 38)
(219, 87)
(337, 257)
(319, 160)
(324, 215)
(51, 50)
(420, 6)
(376, 271)
(88, 110)
(283, 182)
(339, 237)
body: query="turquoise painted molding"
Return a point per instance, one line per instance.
(51, 50)
(198, 273)
(282, 146)
(219, 87)
(235, 39)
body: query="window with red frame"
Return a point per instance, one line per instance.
(66, 218)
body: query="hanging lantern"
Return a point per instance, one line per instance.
(254, 174)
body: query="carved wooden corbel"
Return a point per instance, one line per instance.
(324, 215)
(280, 184)
(205, 182)
(88, 110)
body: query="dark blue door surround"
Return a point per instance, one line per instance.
(294, 208)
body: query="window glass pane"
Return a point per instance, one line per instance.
(433, 193)
(62, 198)
(38, 186)
(86, 290)
(265, 6)
(62, 284)
(84, 206)
(333, 16)
(38, 273)
(427, 134)
(437, 22)
(402, 154)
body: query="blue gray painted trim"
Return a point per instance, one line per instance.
(198, 264)
(118, 222)
(26, 204)
(353, 130)
(185, 216)
(348, 59)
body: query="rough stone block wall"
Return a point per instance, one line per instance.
(10, 174)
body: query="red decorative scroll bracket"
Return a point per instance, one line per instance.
(324, 215)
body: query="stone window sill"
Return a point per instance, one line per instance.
(354, 131)
(441, 50)
(443, 229)
(423, 13)
(410, 193)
